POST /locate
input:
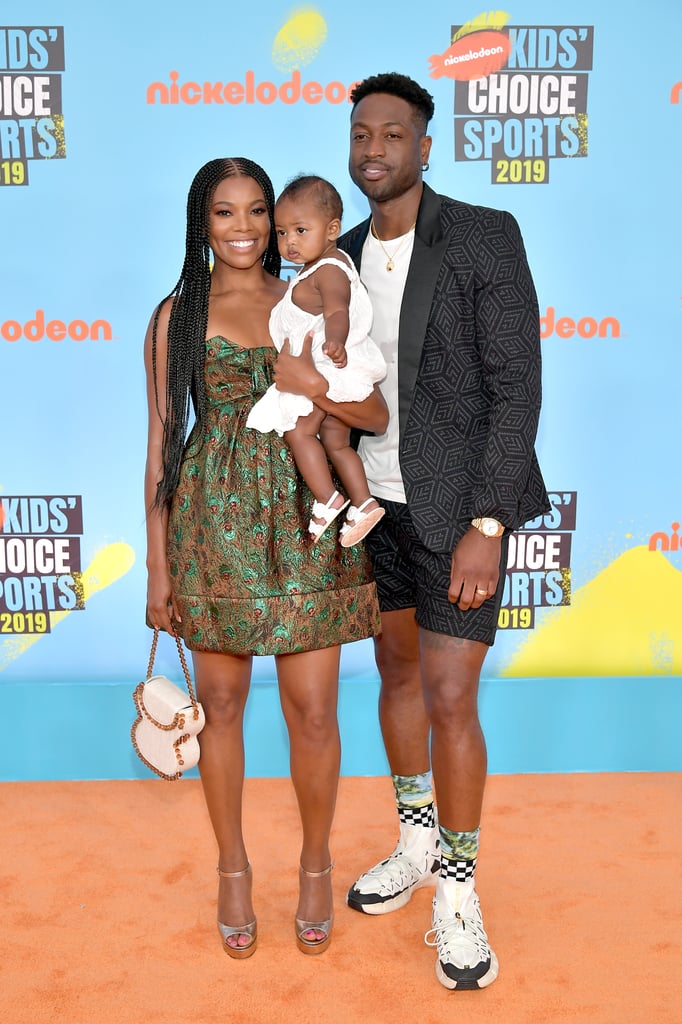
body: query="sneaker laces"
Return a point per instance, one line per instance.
(394, 873)
(461, 941)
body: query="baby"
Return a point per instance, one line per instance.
(326, 297)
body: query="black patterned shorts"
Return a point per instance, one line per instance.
(408, 575)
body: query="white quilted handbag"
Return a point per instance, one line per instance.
(169, 720)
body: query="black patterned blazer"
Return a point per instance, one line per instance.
(469, 371)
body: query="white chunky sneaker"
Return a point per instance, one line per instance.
(465, 959)
(388, 886)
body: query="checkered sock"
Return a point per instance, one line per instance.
(458, 854)
(414, 799)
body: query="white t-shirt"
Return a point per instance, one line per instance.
(385, 288)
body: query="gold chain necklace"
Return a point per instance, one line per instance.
(390, 257)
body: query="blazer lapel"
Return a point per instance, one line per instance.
(427, 256)
(353, 242)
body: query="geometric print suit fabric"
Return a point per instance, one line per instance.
(469, 370)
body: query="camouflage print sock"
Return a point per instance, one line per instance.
(414, 799)
(458, 853)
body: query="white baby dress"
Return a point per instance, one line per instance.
(279, 410)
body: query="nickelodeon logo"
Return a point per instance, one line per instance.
(55, 330)
(663, 542)
(586, 327)
(297, 43)
(292, 91)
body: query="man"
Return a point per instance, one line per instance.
(456, 317)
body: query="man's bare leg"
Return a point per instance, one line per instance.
(405, 728)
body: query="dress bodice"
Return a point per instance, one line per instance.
(233, 372)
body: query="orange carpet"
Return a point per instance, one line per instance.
(109, 905)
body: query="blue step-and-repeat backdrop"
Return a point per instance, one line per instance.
(568, 115)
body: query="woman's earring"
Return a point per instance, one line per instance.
(425, 166)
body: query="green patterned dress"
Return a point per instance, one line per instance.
(246, 577)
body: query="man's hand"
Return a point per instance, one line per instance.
(297, 374)
(475, 569)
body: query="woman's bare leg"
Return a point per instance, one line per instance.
(222, 684)
(309, 694)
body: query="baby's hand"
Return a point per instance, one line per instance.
(336, 352)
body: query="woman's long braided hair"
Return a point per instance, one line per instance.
(189, 314)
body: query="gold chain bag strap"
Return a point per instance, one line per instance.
(169, 720)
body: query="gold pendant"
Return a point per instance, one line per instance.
(390, 264)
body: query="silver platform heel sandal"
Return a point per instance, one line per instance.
(306, 931)
(238, 949)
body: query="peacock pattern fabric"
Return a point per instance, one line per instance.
(245, 576)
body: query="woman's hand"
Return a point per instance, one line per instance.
(161, 607)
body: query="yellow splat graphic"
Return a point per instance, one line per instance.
(299, 40)
(490, 20)
(107, 566)
(627, 621)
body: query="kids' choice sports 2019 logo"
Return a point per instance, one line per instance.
(539, 564)
(31, 119)
(40, 560)
(520, 94)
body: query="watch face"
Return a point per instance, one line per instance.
(488, 527)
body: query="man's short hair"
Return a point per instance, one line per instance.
(399, 85)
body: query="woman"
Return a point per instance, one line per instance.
(229, 564)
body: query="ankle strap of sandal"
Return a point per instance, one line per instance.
(316, 874)
(233, 874)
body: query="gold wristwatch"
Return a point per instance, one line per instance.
(488, 527)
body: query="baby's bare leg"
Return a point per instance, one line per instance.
(335, 436)
(310, 456)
